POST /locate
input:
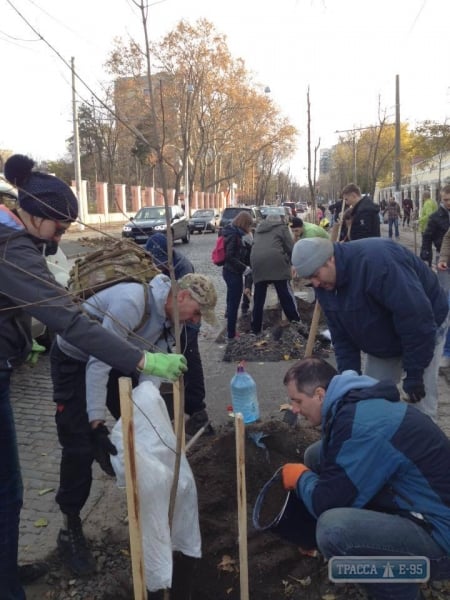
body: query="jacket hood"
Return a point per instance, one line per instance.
(9, 223)
(351, 387)
(266, 226)
(232, 230)
(160, 288)
(366, 204)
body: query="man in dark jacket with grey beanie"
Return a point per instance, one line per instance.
(379, 298)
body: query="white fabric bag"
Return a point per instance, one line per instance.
(155, 444)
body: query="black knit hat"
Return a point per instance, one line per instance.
(40, 194)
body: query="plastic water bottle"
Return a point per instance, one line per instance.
(243, 395)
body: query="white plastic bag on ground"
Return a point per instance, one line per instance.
(155, 445)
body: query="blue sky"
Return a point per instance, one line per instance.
(347, 51)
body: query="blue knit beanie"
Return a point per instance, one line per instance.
(40, 194)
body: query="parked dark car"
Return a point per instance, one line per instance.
(283, 211)
(229, 213)
(152, 219)
(204, 219)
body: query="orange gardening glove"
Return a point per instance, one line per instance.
(291, 473)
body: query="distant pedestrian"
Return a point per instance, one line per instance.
(237, 266)
(393, 215)
(437, 225)
(436, 231)
(271, 264)
(429, 206)
(407, 206)
(364, 213)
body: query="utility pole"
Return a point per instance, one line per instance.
(398, 174)
(76, 153)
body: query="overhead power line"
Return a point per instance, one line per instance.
(130, 128)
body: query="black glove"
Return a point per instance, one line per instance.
(414, 389)
(425, 255)
(102, 448)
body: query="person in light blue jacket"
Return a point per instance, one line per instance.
(378, 482)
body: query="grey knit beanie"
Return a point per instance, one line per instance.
(40, 194)
(310, 254)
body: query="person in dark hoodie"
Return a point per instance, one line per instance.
(377, 483)
(194, 379)
(236, 266)
(270, 260)
(365, 218)
(382, 300)
(46, 208)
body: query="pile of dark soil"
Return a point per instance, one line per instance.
(280, 340)
(277, 569)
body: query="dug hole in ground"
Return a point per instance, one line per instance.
(276, 568)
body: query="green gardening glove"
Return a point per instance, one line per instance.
(167, 366)
(36, 351)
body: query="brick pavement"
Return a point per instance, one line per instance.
(39, 448)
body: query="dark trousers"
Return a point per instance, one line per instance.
(235, 286)
(11, 496)
(72, 424)
(285, 296)
(74, 431)
(194, 379)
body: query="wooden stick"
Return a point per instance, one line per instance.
(242, 504)
(313, 331)
(335, 232)
(134, 524)
(178, 408)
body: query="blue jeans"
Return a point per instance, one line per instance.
(235, 287)
(11, 495)
(361, 532)
(444, 280)
(393, 223)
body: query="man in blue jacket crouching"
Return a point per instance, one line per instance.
(378, 484)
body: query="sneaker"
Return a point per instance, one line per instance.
(29, 573)
(74, 549)
(196, 421)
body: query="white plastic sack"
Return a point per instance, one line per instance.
(155, 445)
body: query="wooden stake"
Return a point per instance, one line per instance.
(134, 524)
(178, 409)
(313, 331)
(242, 504)
(334, 235)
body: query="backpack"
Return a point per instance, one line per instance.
(113, 263)
(218, 253)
